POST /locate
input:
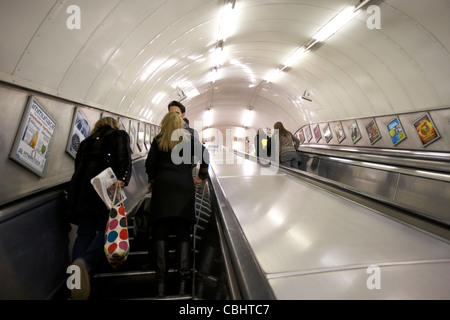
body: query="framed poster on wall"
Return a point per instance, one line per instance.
(339, 130)
(141, 136)
(122, 125)
(308, 133)
(327, 133)
(426, 130)
(317, 133)
(79, 131)
(396, 131)
(132, 134)
(34, 138)
(301, 136)
(148, 137)
(373, 132)
(355, 134)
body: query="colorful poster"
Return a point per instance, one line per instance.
(317, 133)
(34, 138)
(327, 133)
(396, 131)
(80, 131)
(301, 136)
(308, 133)
(355, 134)
(339, 130)
(426, 130)
(373, 132)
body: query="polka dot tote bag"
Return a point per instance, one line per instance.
(117, 244)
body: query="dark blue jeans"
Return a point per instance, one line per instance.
(289, 159)
(90, 241)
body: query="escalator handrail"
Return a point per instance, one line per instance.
(251, 280)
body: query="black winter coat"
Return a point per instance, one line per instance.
(173, 191)
(105, 148)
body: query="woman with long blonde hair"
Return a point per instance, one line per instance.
(173, 197)
(171, 127)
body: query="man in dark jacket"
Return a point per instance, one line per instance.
(106, 146)
(178, 107)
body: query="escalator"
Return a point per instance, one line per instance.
(135, 279)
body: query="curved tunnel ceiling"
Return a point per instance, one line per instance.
(131, 57)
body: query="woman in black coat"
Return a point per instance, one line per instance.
(106, 146)
(169, 169)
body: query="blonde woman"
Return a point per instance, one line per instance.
(169, 170)
(106, 146)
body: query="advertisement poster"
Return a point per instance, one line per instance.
(339, 130)
(141, 136)
(327, 133)
(396, 131)
(301, 136)
(122, 125)
(154, 132)
(373, 132)
(426, 130)
(80, 131)
(355, 134)
(317, 133)
(148, 137)
(34, 138)
(132, 135)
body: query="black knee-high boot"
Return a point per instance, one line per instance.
(161, 253)
(184, 265)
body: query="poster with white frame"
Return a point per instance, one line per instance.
(79, 131)
(132, 133)
(34, 138)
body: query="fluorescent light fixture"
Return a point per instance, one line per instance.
(208, 117)
(214, 75)
(293, 58)
(227, 23)
(335, 24)
(273, 75)
(247, 118)
(217, 56)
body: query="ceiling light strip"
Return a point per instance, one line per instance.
(334, 25)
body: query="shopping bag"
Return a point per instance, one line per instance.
(117, 244)
(105, 185)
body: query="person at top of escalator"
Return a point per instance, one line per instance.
(286, 145)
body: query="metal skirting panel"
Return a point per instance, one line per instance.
(403, 187)
(431, 197)
(33, 247)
